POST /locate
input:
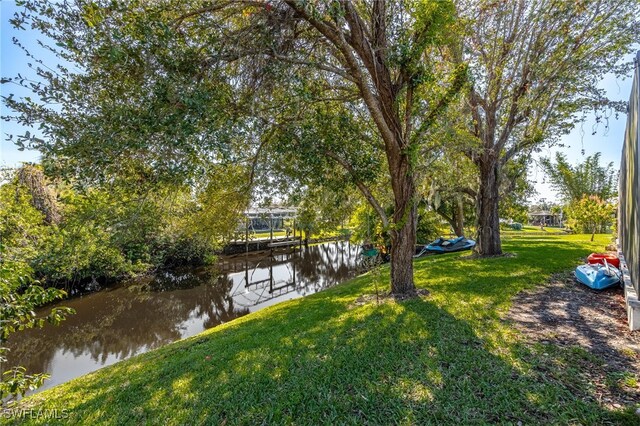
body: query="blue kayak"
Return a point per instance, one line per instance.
(449, 246)
(597, 276)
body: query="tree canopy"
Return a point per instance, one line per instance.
(163, 88)
(163, 92)
(535, 64)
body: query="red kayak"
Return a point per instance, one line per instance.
(611, 259)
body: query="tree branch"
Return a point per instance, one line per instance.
(361, 186)
(317, 65)
(213, 8)
(443, 103)
(464, 190)
(335, 35)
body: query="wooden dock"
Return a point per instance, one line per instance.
(238, 247)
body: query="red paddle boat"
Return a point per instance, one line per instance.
(611, 258)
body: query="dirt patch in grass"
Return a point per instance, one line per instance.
(571, 317)
(388, 297)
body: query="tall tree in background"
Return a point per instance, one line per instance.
(534, 65)
(172, 85)
(450, 188)
(587, 189)
(585, 179)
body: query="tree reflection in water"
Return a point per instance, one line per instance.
(136, 316)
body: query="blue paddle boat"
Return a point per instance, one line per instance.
(448, 246)
(597, 276)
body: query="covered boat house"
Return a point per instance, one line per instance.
(545, 218)
(268, 218)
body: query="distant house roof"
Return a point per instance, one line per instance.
(543, 213)
(273, 212)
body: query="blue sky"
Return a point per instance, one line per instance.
(609, 143)
(12, 62)
(606, 141)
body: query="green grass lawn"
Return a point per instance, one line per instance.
(446, 359)
(530, 230)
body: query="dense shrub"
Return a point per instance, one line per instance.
(590, 215)
(19, 297)
(115, 232)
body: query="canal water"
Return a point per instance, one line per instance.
(133, 317)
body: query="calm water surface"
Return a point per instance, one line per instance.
(139, 315)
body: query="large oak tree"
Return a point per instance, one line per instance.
(534, 65)
(170, 83)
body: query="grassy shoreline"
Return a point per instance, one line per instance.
(448, 358)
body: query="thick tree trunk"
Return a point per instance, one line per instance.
(451, 220)
(403, 246)
(488, 239)
(456, 220)
(42, 196)
(403, 234)
(458, 217)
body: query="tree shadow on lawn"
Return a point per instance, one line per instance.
(588, 325)
(491, 283)
(322, 360)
